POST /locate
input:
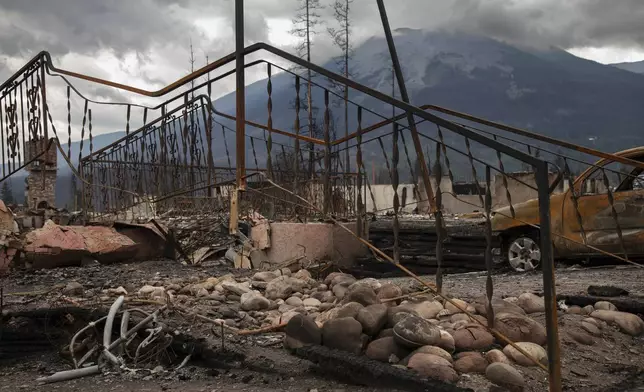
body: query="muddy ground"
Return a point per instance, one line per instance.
(614, 363)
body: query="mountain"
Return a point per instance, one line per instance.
(547, 90)
(636, 66)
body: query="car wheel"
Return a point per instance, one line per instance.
(523, 253)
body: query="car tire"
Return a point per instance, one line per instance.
(523, 252)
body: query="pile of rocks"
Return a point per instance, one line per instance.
(367, 317)
(435, 338)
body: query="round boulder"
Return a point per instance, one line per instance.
(372, 283)
(254, 301)
(534, 350)
(302, 274)
(446, 342)
(474, 363)
(472, 337)
(373, 318)
(627, 322)
(345, 280)
(343, 334)
(520, 328)
(283, 286)
(499, 306)
(433, 350)
(361, 294)
(495, 355)
(531, 303)
(301, 331)
(386, 332)
(382, 349)
(426, 309)
(604, 305)
(505, 376)
(415, 331)
(462, 305)
(434, 367)
(581, 337)
(397, 313)
(388, 291)
(294, 301)
(591, 328)
(265, 276)
(311, 302)
(587, 310)
(350, 309)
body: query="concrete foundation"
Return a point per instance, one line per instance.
(314, 241)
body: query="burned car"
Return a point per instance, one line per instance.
(604, 216)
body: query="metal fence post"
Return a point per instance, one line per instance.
(547, 262)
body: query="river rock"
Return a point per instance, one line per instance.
(361, 294)
(350, 309)
(382, 349)
(302, 274)
(519, 328)
(472, 363)
(426, 309)
(236, 288)
(446, 342)
(415, 331)
(591, 328)
(604, 305)
(531, 303)
(581, 337)
(499, 306)
(301, 331)
(265, 276)
(373, 318)
(534, 350)
(388, 291)
(287, 316)
(293, 301)
(627, 322)
(397, 313)
(460, 317)
(506, 376)
(283, 287)
(144, 291)
(385, 333)
(434, 367)
(254, 301)
(339, 291)
(472, 337)
(452, 309)
(343, 334)
(495, 355)
(587, 310)
(430, 350)
(341, 279)
(202, 292)
(311, 303)
(372, 283)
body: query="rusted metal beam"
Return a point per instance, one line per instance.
(274, 130)
(405, 98)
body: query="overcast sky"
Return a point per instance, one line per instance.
(145, 43)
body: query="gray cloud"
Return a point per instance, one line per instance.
(157, 32)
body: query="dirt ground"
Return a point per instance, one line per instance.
(614, 363)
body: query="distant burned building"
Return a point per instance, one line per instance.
(40, 187)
